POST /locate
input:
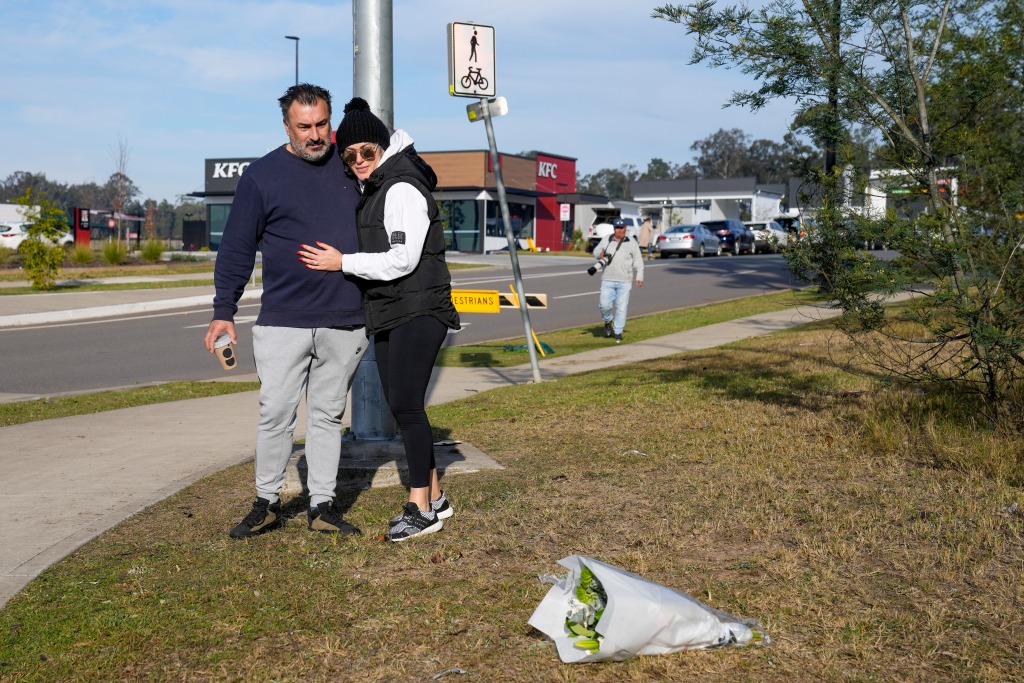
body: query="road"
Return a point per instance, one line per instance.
(164, 346)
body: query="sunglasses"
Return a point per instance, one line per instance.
(368, 152)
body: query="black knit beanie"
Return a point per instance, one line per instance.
(361, 125)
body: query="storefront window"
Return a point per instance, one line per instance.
(461, 220)
(520, 217)
(218, 219)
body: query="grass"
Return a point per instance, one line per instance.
(106, 287)
(168, 268)
(759, 478)
(21, 412)
(579, 339)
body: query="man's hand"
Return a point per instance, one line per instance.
(639, 283)
(217, 328)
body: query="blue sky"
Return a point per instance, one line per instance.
(180, 81)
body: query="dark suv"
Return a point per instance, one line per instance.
(736, 238)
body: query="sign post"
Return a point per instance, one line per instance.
(471, 73)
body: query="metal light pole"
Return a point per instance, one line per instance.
(296, 39)
(372, 57)
(372, 79)
(694, 211)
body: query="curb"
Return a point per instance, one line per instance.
(70, 314)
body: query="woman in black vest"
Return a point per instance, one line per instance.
(406, 292)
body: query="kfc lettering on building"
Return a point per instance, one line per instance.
(222, 174)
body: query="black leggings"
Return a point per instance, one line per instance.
(405, 358)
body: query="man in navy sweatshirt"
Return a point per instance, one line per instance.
(309, 335)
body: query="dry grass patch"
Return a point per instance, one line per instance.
(754, 477)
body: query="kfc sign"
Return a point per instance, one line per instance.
(229, 169)
(547, 169)
(222, 174)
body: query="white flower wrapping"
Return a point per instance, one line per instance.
(640, 618)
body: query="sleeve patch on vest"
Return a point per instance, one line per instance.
(398, 237)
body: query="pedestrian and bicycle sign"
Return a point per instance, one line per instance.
(471, 60)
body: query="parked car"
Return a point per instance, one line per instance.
(602, 226)
(769, 236)
(695, 240)
(13, 234)
(736, 238)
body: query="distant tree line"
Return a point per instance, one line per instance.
(163, 219)
(725, 154)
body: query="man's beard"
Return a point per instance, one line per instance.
(310, 155)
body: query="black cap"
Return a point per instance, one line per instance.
(361, 125)
(618, 223)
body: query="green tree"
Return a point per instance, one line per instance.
(613, 183)
(722, 154)
(659, 169)
(41, 255)
(934, 82)
(732, 154)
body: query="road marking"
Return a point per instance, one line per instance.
(569, 296)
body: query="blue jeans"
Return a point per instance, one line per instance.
(614, 300)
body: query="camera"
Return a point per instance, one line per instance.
(601, 263)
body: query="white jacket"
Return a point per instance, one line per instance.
(627, 263)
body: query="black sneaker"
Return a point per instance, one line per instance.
(618, 338)
(264, 516)
(413, 523)
(325, 519)
(607, 329)
(441, 507)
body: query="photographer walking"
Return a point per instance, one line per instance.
(622, 262)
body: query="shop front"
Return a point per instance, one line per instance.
(466, 194)
(468, 198)
(221, 180)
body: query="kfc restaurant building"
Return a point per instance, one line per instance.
(467, 195)
(535, 186)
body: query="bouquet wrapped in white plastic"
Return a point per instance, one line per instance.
(602, 613)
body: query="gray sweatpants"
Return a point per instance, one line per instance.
(321, 361)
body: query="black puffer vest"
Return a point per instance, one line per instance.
(425, 291)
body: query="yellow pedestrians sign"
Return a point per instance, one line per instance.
(476, 300)
(492, 301)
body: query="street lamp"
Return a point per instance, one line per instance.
(296, 39)
(694, 212)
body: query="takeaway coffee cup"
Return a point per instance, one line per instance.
(225, 352)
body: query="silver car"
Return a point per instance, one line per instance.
(769, 236)
(695, 240)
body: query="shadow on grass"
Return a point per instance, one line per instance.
(768, 376)
(361, 461)
(478, 360)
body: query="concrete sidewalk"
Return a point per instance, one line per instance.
(70, 479)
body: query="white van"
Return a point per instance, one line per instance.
(601, 226)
